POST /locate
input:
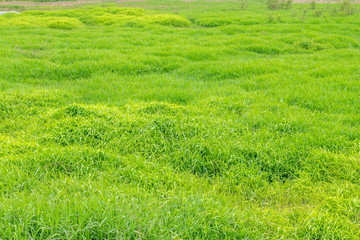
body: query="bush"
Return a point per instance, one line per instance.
(347, 8)
(313, 4)
(344, 8)
(244, 4)
(278, 4)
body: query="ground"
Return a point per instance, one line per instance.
(180, 120)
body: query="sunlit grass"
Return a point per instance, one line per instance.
(183, 123)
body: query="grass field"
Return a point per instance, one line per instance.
(180, 120)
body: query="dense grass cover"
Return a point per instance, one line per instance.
(212, 123)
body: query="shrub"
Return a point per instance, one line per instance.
(278, 4)
(344, 8)
(286, 4)
(347, 8)
(244, 4)
(313, 4)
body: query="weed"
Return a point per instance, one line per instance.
(318, 13)
(271, 18)
(303, 15)
(244, 4)
(313, 5)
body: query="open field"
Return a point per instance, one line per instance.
(180, 120)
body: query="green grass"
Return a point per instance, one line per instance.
(180, 120)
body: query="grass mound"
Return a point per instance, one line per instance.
(64, 23)
(168, 20)
(111, 16)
